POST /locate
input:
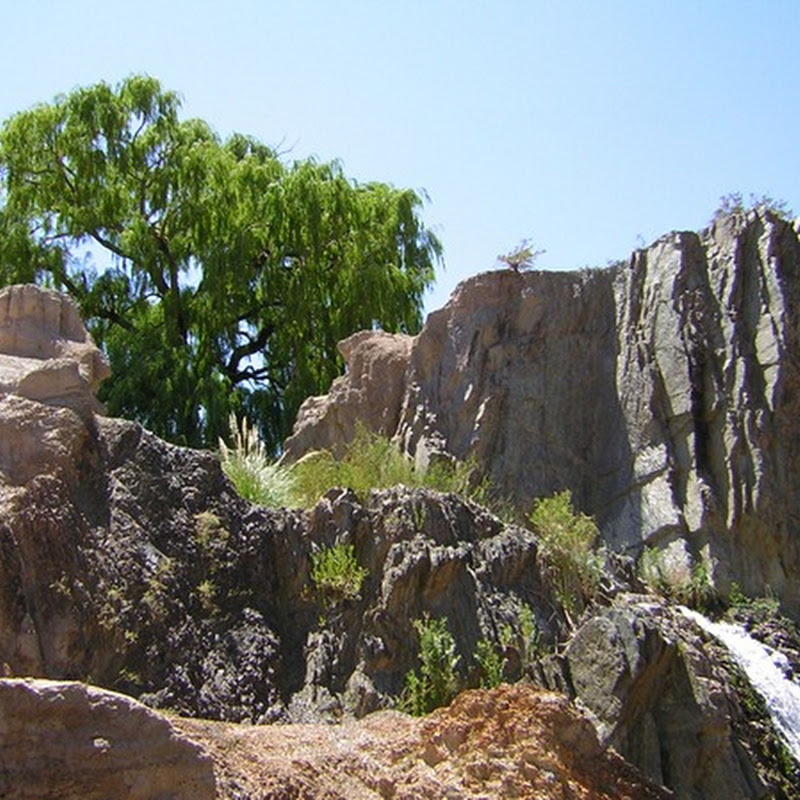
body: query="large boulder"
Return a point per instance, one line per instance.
(672, 702)
(69, 741)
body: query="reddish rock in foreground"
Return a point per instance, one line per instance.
(515, 741)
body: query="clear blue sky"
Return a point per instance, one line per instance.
(586, 126)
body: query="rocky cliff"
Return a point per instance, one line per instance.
(133, 564)
(663, 392)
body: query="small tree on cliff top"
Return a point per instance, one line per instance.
(521, 257)
(231, 275)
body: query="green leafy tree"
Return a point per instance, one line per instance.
(230, 276)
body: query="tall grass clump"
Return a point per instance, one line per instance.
(254, 476)
(369, 462)
(567, 553)
(372, 461)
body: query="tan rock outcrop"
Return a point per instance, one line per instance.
(69, 741)
(370, 394)
(46, 354)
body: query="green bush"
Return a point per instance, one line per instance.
(436, 683)
(531, 647)
(369, 462)
(372, 461)
(493, 657)
(491, 664)
(337, 574)
(567, 553)
(765, 607)
(523, 256)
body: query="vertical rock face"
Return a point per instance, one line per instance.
(662, 392)
(707, 378)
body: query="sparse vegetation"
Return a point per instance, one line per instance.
(369, 462)
(733, 204)
(567, 553)
(491, 664)
(765, 607)
(494, 658)
(675, 580)
(210, 531)
(523, 256)
(532, 647)
(156, 595)
(207, 593)
(250, 470)
(337, 574)
(437, 682)
(372, 461)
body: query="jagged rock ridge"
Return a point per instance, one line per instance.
(663, 392)
(134, 562)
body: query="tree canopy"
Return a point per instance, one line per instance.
(230, 274)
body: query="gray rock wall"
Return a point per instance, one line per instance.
(663, 392)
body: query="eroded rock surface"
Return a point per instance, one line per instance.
(663, 392)
(510, 742)
(68, 741)
(133, 561)
(46, 353)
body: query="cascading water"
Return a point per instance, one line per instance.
(765, 669)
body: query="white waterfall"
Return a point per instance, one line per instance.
(765, 668)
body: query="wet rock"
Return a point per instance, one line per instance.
(669, 700)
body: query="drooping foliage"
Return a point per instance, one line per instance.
(217, 277)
